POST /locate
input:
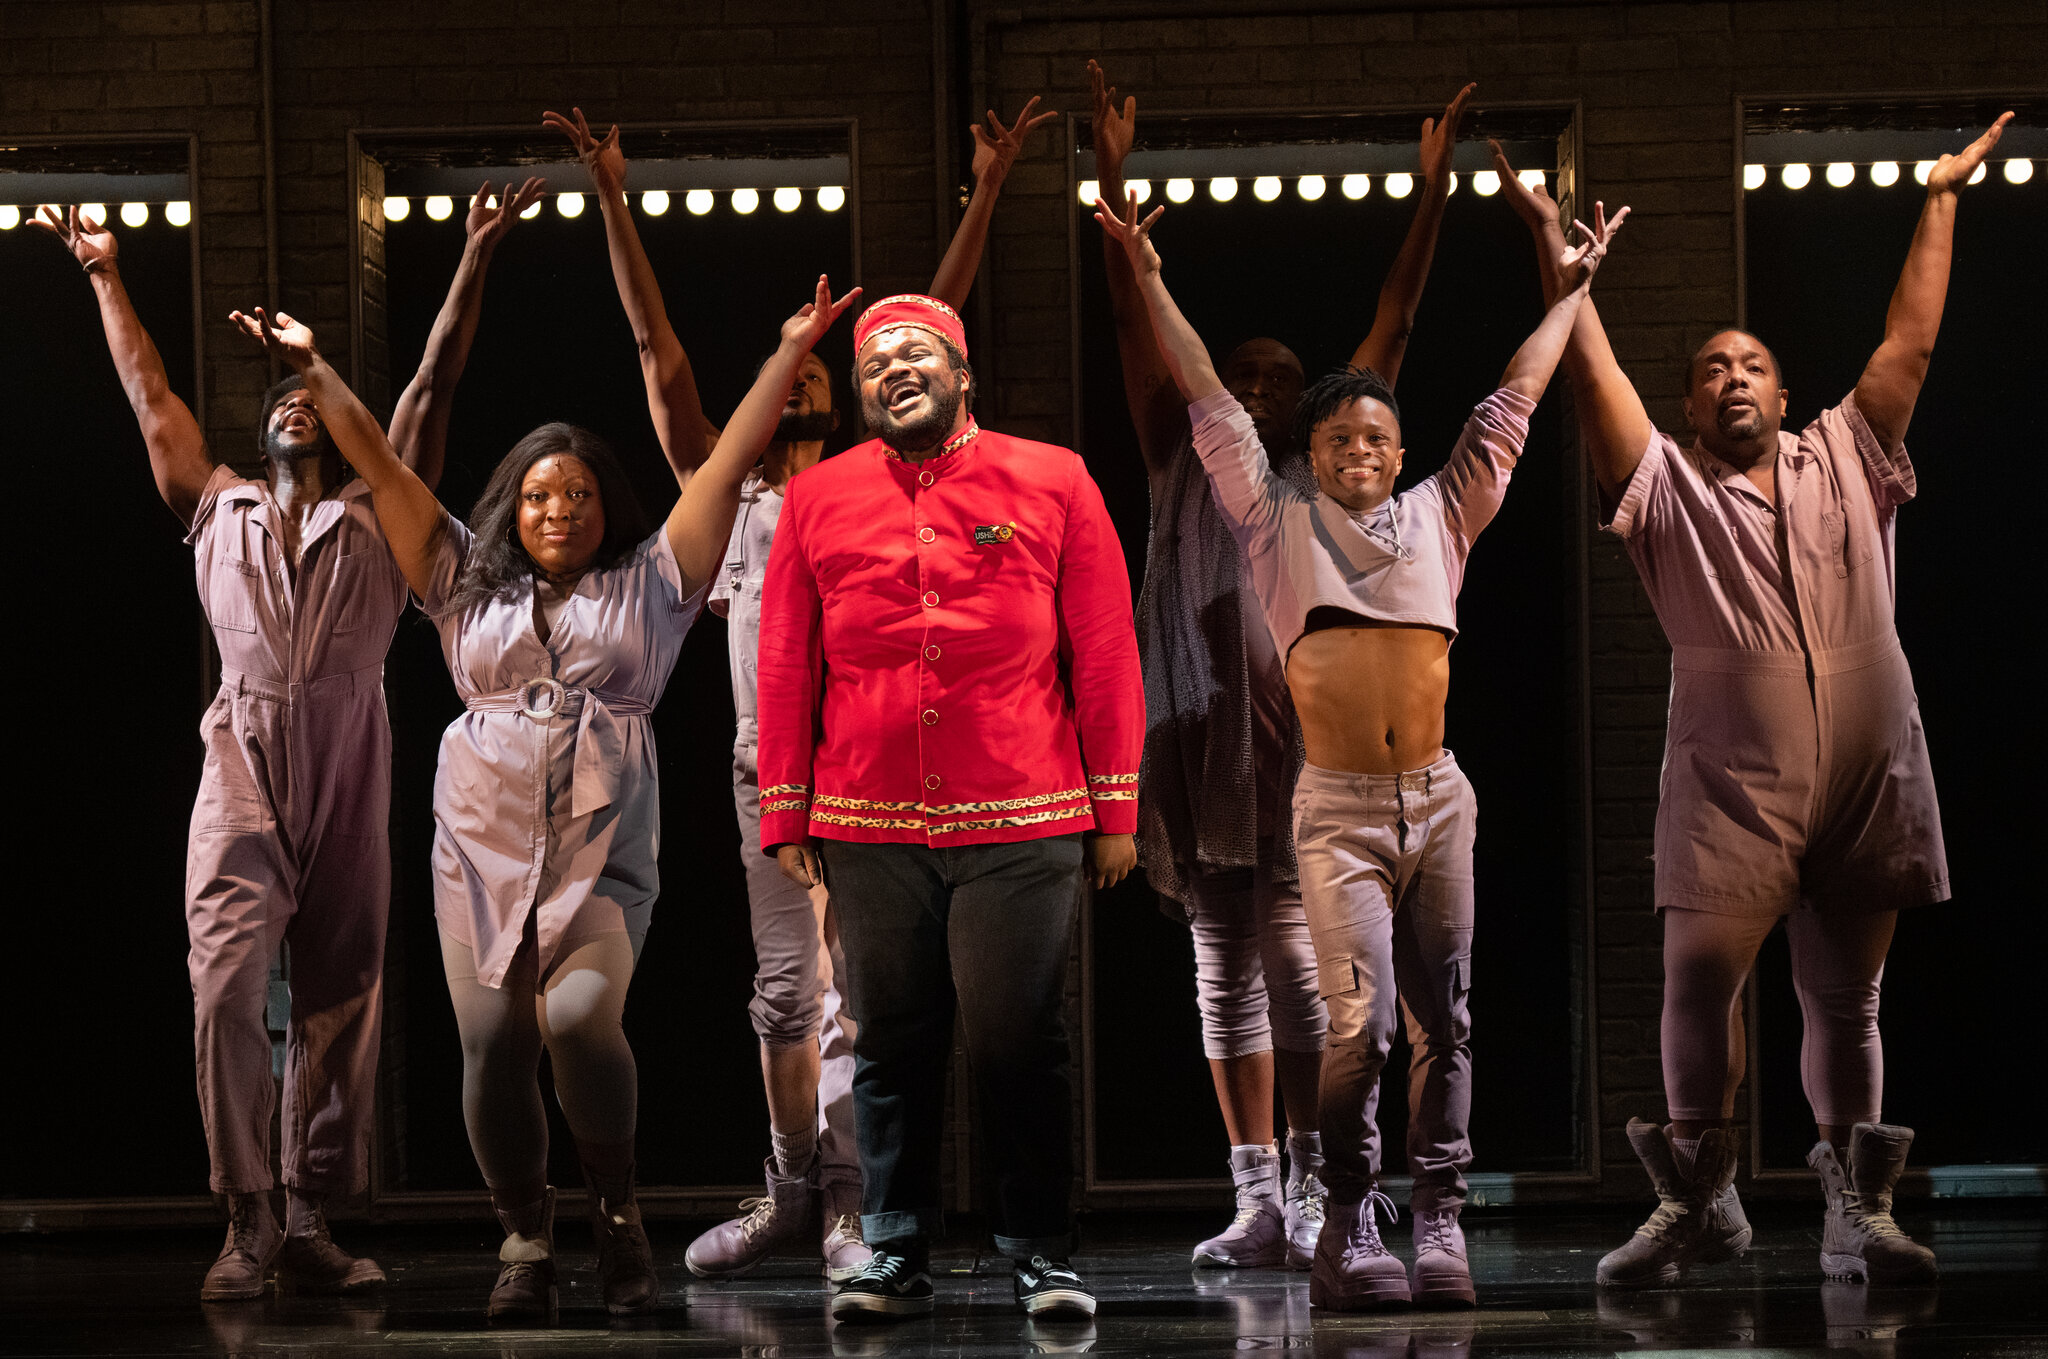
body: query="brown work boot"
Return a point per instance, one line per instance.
(1698, 1219)
(525, 1290)
(254, 1239)
(311, 1263)
(625, 1260)
(1859, 1240)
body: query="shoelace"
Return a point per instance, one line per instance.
(1438, 1233)
(1874, 1222)
(758, 1211)
(847, 1226)
(1053, 1272)
(882, 1269)
(1310, 1194)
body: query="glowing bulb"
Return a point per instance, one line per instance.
(1533, 179)
(1451, 182)
(178, 213)
(1266, 188)
(700, 201)
(1841, 174)
(2018, 171)
(1400, 186)
(1978, 178)
(491, 202)
(1796, 175)
(1753, 176)
(1140, 189)
(745, 201)
(440, 206)
(1884, 173)
(788, 200)
(569, 204)
(1091, 190)
(1922, 169)
(134, 214)
(397, 209)
(10, 217)
(1356, 186)
(530, 211)
(831, 198)
(1486, 183)
(654, 202)
(1181, 190)
(1311, 187)
(96, 211)
(1223, 190)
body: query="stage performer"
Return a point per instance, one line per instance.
(1359, 587)
(289, 841)
(1796, 781)
(560, 617)
(951, 717)
(1221, 742)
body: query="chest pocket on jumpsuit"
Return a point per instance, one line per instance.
(347, 592)
(231, 591)
(1849, 550)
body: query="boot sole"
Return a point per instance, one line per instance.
(1444, 1296)
(1383, 1300)
(1665, 1276)
(544, 1314)
(234, 1294)
(1207, 1260)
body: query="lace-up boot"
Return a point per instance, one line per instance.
(253, 1241)
(844, 1250)
(1353, 1270)
(525, 1290)
(1442, 1276)
(1698, 1218)
(1258, 1234)
(1859, 1240)
(625, 1260)
(1302, 1206)
(311, 1263)
(787, 1212)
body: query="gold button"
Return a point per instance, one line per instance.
(926, 535)
(931, 599)
(931, 780)
(931, 653)
(924, 478)
(931, 717)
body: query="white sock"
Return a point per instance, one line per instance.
(795, 1151)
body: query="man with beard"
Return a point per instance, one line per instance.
(1796, 780)
(289, 840)
(951, 717)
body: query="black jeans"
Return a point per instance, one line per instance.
(984, 929)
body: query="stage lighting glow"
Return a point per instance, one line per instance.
(96, 211)
(1400, 186)
(1311, 187)
(1884, 173)
(569, 204)
(654, 202)
(1486, 183)
(745, 201)
(1355, 187)
(1142, 188)
(1753, 176)
(1922, 169)
(134, 214)
(788, 200)
(701, 201)
(530, 211)
(440, 206)
(1796, 176)
(1180, 190)
(1223, 190)
(10, 217)
(831, 198)
(1841, 174)
(1451, 182)
(2018, 171)
(178, 213)
(397, 209)
(1090, 191)
(1266, 188)
(1533, 179)
(1978, 177)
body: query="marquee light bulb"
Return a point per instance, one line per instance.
(1753, 176)
(1090, 191)
(134, 214)
(1400, 186)
(654, 202)
(1266, 188)
(788, 200)
(1486, 183)
(1796, 175)
(2018, 171)
(530, 211)
(1355, 187)
(1223, 190)
(1978, 178)
(96, 211)
(1311, 187)
(831, 198)
(1180, 190)
(10, 217)
(1841, 174)
(397, 209)
(1922, 169)
(178, 213)
(440, 206)
(1141, 189)
(700, 201)
(569, 204)
(1533, 179)
(1451, 182)
(1884, 173)
(745, 201)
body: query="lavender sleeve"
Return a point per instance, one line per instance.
(1247, 490)
(1474, 480)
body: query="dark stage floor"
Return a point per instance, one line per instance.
(135, 1294)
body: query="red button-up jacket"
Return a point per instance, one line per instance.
(947, 655)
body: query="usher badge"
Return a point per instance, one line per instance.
(994, 533)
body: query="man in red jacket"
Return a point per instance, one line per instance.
(951, 718)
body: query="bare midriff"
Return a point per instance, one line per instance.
(1370, 695)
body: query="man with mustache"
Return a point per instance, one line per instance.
(1796, 781)
(951, 717)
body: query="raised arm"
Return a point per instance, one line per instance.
(411, 517)
(1612, 422)
(672, 398)
(995, 151)
(419, 423)
(1528, 372)
(1891, 381)
(177, 449)
(1186, 357)
(1401, 294)
(1157, 412)
(700, 525)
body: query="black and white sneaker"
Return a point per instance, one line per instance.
(887, 1286)
(1052, 1291)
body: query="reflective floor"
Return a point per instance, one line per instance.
(136, 1294)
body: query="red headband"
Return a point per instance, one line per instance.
(910, 309)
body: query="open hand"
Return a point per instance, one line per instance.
(1531, 204)
(1113, 131)
(1135, 236)
(290, 340)
(485, 224)
(88, 241)
(996, 147)
(1576, 265)
(1440, 137)
(603, 159)
(1109, 858)
(1951, 173)
(811, 322)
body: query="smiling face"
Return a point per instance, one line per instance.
(293, 430)
(561, 515)
(1357, 452)
(1734, 399)
(911, 395)
(1265, 377)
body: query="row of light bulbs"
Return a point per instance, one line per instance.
(1884, 173)
(1266, 188)
(653, 202)
(132, 214)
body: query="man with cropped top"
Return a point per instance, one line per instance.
(1359, 587)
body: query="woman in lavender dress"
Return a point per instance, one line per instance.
(561, 615)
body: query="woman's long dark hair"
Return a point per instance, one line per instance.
(497, 563)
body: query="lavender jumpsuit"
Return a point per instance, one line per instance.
(547, 811)
(289, 837)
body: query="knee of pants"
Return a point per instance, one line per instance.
(1234, 1014)
(783, 1014)
(1298, 1025)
